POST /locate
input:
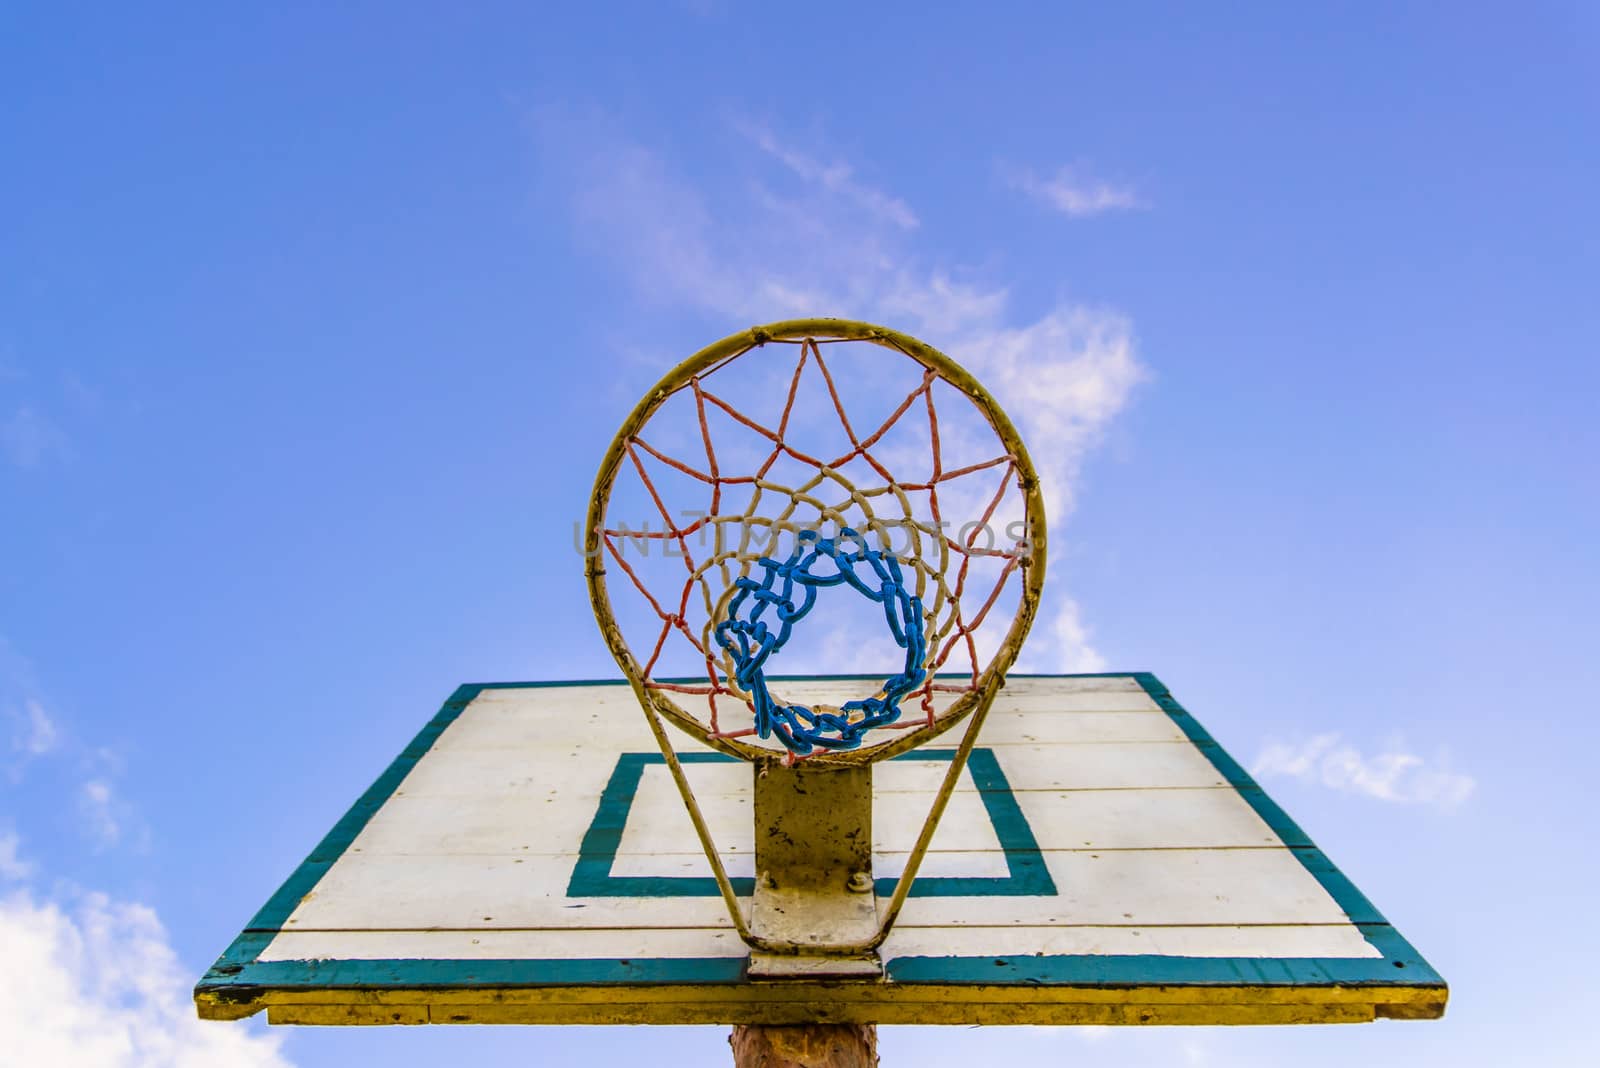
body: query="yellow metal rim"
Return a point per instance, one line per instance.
(1032, 566)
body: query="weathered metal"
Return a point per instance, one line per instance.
(814, 888)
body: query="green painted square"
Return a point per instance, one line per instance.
(1026, 874)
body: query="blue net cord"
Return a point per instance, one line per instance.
(788, 589)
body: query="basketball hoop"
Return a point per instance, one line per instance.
(777, 528)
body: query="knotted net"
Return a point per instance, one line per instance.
(826, 479)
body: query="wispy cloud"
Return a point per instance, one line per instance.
(105, 817)
(1072, 192)
(748, 252)
(36, 733)
(89, 980)
(1069, 649)
(836, 177)
(86, 979)
(840, 247)
(33, 730)
(12, 866)
(98, 805)
(1066, 376)
(1395, 774)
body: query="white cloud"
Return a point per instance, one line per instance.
(1073, 193)
(12, 866)
(835, 177)
(34, 732)
(98, 806)
(92, 982)
(37, 733)
(1395, 774)
(761, 257)
(1064, 378)
(87, 980)
(837, 247)
(105, 817)
(1069, 650)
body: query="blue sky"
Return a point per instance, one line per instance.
(313, 324)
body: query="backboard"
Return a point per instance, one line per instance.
(1103, 861)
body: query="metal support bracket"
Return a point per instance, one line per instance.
(814, 888)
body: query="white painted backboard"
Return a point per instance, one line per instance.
(528, 860)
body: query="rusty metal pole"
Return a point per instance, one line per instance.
(809, 1046)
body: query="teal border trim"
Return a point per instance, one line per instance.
(1399, 965)
(240, 976)
(1026, 873)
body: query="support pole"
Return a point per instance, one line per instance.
(810, 1046)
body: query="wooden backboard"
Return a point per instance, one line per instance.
(527, 860)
